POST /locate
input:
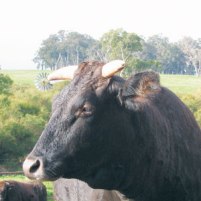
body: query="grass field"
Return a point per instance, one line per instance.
(180, 84)
(21, 76)
(21, 178)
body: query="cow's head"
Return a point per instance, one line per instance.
(89, 129)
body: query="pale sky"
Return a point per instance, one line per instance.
(24, 24)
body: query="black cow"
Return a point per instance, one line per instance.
(133, 136)
(20, 191)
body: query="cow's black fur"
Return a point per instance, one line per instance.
(130, 135)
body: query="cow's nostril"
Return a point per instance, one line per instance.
(35, 166)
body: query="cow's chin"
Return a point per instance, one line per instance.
(100, 178)
(110, 178)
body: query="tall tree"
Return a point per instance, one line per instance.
(66, 48)
(166, 57)
(192, 50)
(80, 47)
(47, 55)
(119, 44)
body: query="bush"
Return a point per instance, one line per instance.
(194, 103)
(22, 119)
(23, 116)
(15, 141)
(5, 145)
(198, 116)
(27, 108)
(34, 123)
(5, 84)
(4, 101)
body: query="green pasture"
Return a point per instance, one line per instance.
(180, 84)
(21, 76)
(49, 185)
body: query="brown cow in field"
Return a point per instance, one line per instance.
(19, 191)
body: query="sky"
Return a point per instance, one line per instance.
(24, 24)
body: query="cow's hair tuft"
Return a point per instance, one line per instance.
(139, 89)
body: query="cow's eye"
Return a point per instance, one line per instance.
(86, 110)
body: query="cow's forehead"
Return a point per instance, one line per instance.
(87, 78)
(91, 69)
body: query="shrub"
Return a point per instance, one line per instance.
(5, 84)
(27, 108)
(22, 118)
(193, 101)
(5, 148)
(4, 101)
(198, 116)
(34, 123)
(15, 141)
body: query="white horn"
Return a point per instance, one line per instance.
(65, 73)
(112, 67)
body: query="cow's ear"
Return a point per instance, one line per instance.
(139, 90)
(115, 84)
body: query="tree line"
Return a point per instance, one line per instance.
(156, 52)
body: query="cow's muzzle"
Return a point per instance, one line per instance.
(33, 168)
